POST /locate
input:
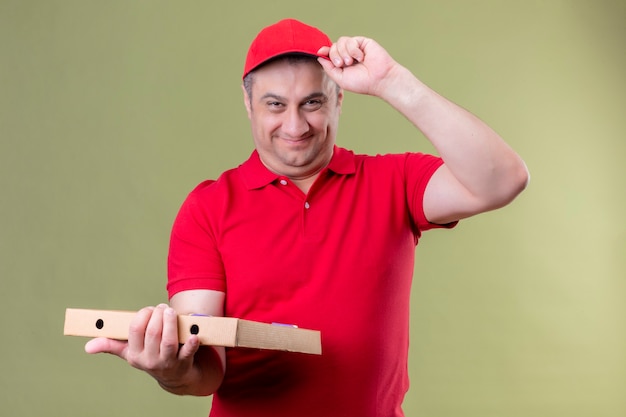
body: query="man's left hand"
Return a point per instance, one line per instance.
(359, 65)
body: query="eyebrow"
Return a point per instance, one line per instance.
(281, 98)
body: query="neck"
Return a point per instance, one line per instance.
(305, 184)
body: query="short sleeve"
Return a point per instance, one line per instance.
(194, 261)
(419, 168)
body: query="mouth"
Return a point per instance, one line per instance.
(295, 142)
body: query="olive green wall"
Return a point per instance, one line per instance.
(111, 111)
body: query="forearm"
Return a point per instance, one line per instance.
(475, 154)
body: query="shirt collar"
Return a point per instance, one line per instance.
(256, 175)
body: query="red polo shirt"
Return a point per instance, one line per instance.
(339, 260)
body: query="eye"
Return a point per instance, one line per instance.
(313, 104)
(274, 105)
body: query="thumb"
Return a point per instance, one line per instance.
(104, 345)
(335, 73)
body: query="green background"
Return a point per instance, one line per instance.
(112, 111)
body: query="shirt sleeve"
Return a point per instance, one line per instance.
(419, 169)
(193, 260)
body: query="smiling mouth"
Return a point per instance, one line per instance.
(296, 141)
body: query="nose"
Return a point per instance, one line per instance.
(295, 124)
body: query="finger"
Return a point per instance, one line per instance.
(104, 345)
(349, 50)
(334, 53)
(137, 330)
(169, 338)
(354, 48)
(154, 332)
(339, 52)
(189, 349)
(324, 50)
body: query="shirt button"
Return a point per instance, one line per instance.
(307, 205)
(283, 182)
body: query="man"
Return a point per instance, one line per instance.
(306, 232)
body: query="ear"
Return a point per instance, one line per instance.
(340, 99)
(246, 102)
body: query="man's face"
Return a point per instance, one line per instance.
(294, 112)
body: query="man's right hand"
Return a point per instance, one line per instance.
(153, 347)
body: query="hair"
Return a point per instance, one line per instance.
(292, 59)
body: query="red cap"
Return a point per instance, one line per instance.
(284, 37)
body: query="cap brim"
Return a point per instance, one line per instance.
(273, 57)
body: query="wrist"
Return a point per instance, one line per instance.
(405, 92)
(398, 85)
(174, 388)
